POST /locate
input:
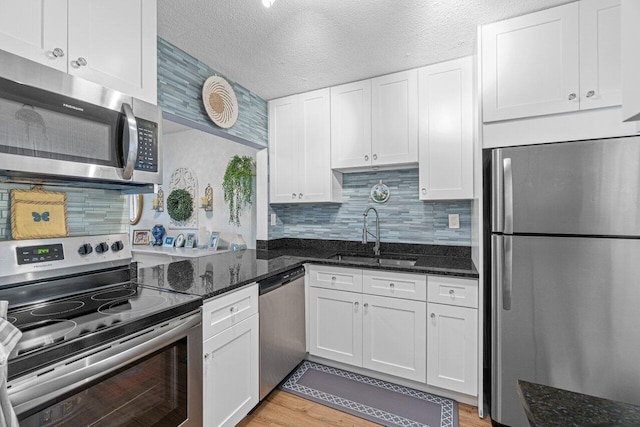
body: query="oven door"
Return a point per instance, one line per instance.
(153, 378)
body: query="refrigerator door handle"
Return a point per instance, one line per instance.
(507, 276)
(508, 196)
(497, 192)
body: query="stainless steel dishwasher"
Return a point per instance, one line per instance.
(282, 327)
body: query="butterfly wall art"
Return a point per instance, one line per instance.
(37, 216)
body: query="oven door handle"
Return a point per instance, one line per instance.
(129, 141)
(41, 389)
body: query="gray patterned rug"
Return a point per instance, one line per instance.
(375, 400)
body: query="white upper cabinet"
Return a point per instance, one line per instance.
(562, 59)
(630, 60)
(446, 130)
(351, 125)
(300, 150)
(600, 58)
(117, 40)
(36, 30)
(394, 112)
(92, 39)
(374, 123)
(530, 64)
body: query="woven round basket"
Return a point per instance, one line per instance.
(220, 101)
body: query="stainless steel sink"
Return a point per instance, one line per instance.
(396, 262)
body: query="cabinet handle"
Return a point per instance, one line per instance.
(391, 285)
(451, 291)
(572, 96)
(233, 309)
(433, 315)
(356, 305)
(293, 195)
(375, 157)
(333, 279)
(58, 53)
(80, 62)
(424, 191)
(366, 158)
(591, 93)
(300, 196)
(366, 307)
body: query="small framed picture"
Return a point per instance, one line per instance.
(140, 237)
(213, 241)
(168, 241)
(180, 240)
(191, 240)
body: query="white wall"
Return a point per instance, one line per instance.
(207, 155)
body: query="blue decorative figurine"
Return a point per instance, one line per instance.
(158, 233)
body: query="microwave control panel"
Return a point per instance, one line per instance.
(147, 160)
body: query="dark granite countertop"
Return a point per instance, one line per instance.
(212, 275)
(549, 406)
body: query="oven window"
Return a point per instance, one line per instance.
(150, 392)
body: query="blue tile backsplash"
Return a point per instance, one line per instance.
(403, 218)
(89, 211)
(180, 80)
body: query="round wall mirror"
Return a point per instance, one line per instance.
(135, 208)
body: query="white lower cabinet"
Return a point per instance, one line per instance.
(382, 333)
(394, 336)
(230, 357)
(335, 325)
(452, 346)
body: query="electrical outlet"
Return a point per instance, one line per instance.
(273, 219)
(454, 221)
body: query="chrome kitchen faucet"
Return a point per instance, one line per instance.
(376, 247)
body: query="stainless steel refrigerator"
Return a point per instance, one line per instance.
(565, 271)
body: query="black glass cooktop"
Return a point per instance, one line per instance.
(61, 327)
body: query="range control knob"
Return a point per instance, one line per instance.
(85, 249)
(102, 247)
(117, 246)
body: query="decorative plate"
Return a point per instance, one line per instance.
(220, 101)
(380, 193)
(180, 240)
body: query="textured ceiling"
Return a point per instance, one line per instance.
(301, 45)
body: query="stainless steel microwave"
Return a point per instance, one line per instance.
(55, 127)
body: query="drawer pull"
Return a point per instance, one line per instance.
(333, 279)
(433, 315)
(451, 292)
(234, 309)
(391, 285)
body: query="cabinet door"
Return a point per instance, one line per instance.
(600, 58)
(630, 60)
(335, 325)
(351, 125)
(315, 173)
(394, 114)
(283, 150)
(395, 336)
(34, 29)
(230, 388)
(452, 348)
(446, 130)
(530, 64)
(117, 40)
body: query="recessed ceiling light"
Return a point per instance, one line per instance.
(268, 3)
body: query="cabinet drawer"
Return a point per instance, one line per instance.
(453, 291)
(394, 284)
(221, 313)
(339, 278)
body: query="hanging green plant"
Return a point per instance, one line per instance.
(180, 205)
(238, 186)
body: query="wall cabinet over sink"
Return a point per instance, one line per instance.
(300, 150)
(374, 122)
(558, 60)
(91, 39)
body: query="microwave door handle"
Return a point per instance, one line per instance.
(130, 138)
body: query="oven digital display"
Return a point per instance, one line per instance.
(34, 254)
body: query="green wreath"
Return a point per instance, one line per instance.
(180, 205)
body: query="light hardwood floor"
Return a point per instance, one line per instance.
(282, 409)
